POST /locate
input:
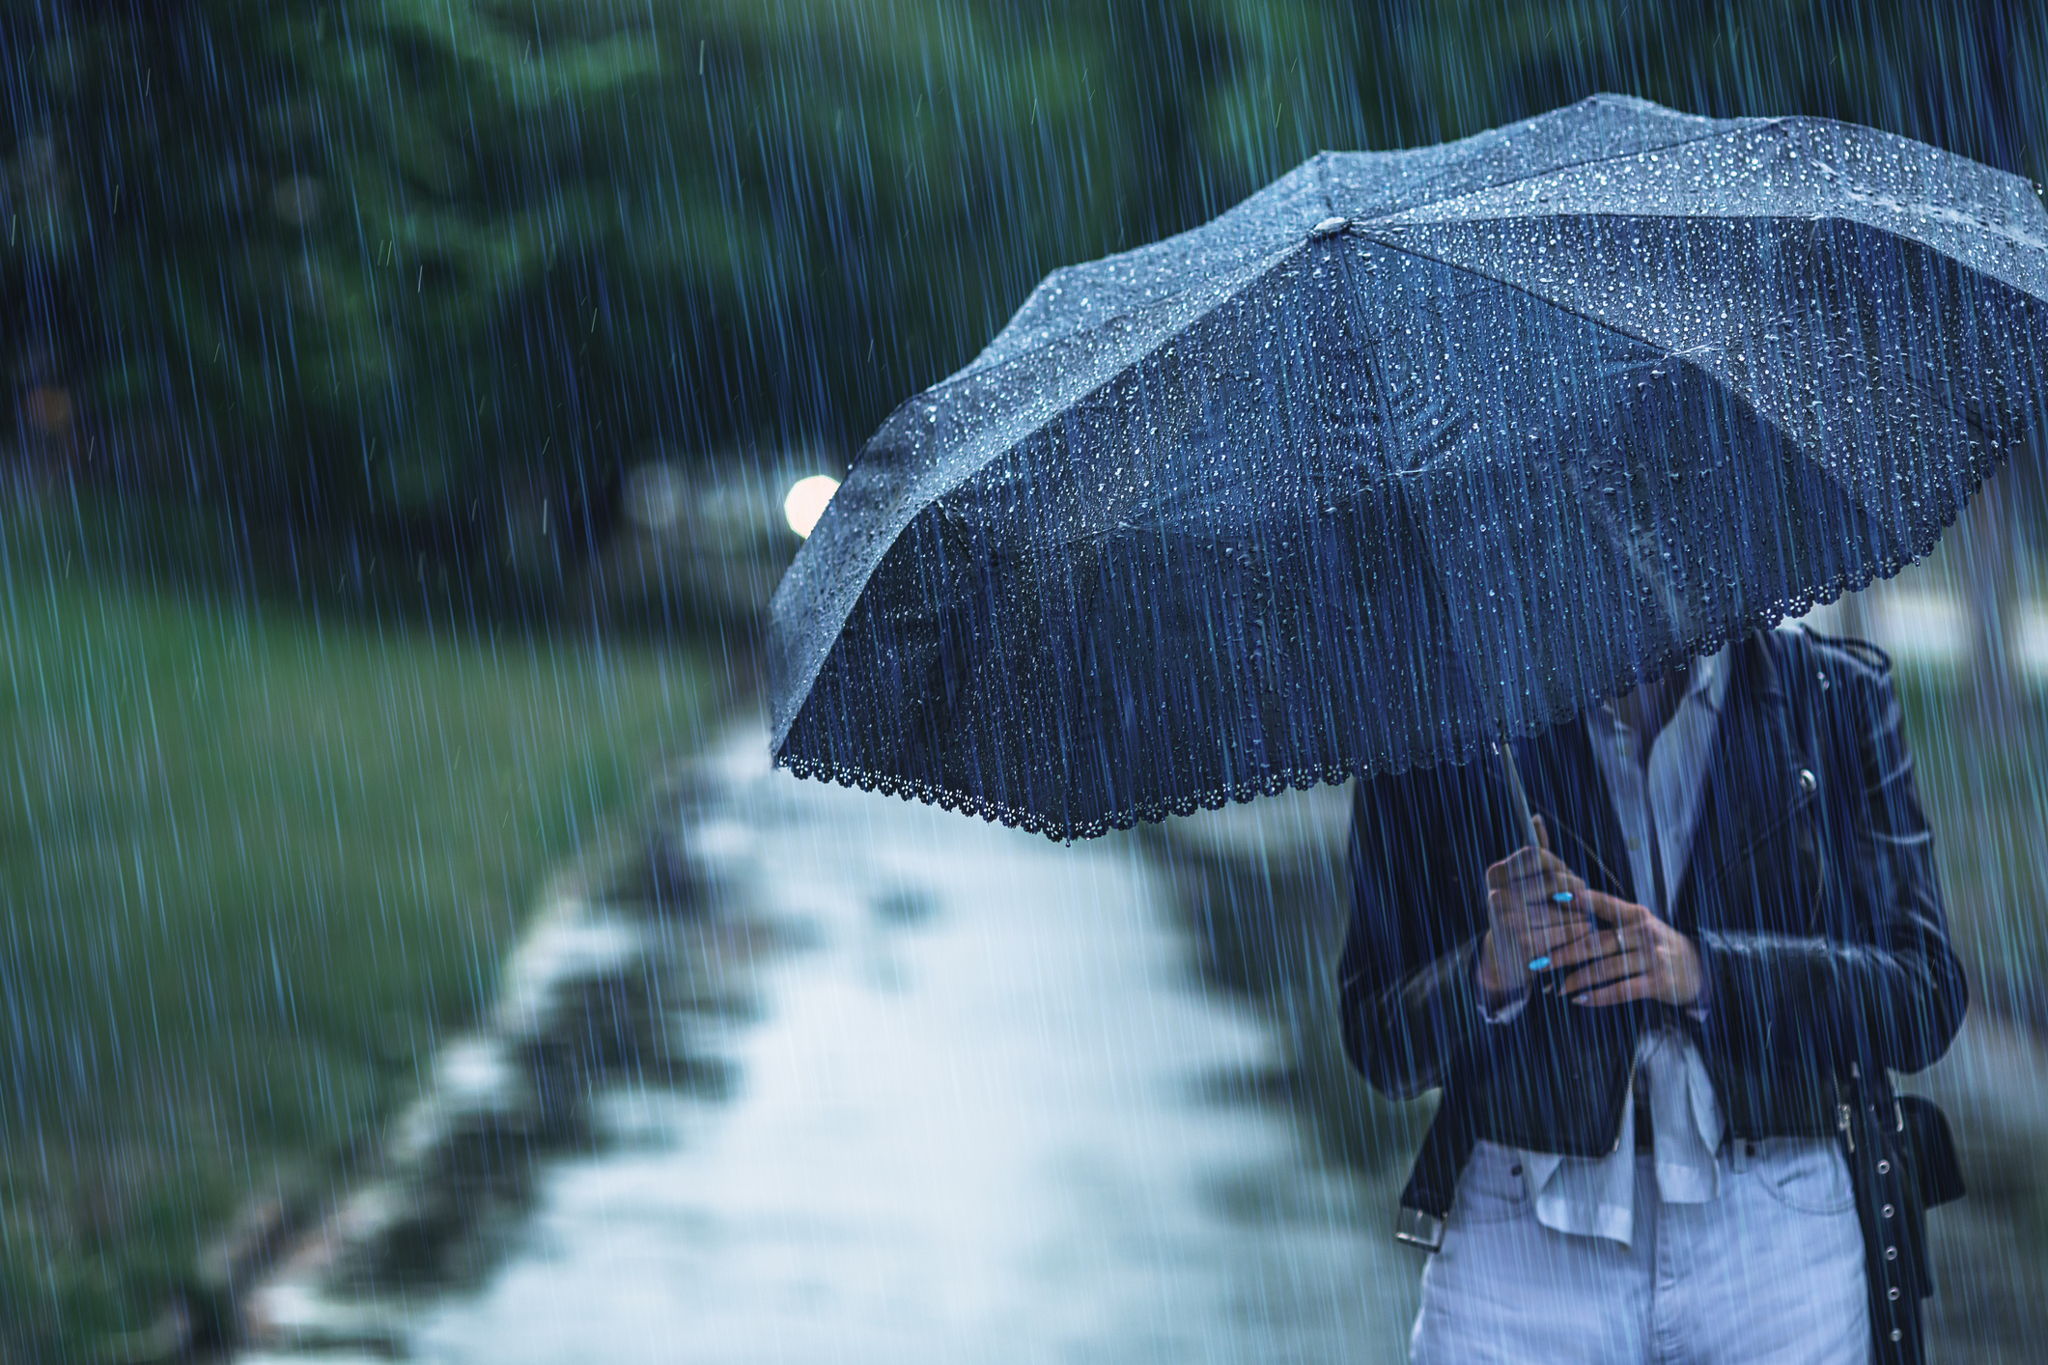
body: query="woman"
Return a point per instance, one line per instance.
(1658, 1038)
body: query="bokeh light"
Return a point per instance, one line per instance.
(805, 502)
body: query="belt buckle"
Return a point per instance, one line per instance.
(1419, 1229)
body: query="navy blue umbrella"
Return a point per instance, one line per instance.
(1409, 453)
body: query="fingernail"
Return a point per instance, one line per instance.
(1579, 999)
(1539, 964)
(1561, 897)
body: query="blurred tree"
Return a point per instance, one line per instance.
(434, 271)
(431, 271)
(304, 257)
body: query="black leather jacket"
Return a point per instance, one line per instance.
(1811, 893)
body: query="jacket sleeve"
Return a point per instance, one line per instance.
(1411, 1007)
(1884, 982)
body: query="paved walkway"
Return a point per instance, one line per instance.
(984, 1119)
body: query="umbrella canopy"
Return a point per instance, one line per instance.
(1411, 452)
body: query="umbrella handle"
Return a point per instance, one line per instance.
(1517, 793)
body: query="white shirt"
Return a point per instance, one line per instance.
(1657, 803)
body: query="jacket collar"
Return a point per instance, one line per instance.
(1706, 682)
(1744, 778)
(1741, 779)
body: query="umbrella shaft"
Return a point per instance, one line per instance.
(1517, 793)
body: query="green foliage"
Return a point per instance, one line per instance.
(297, 247)
(374, 257)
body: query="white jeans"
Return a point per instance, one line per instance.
(1770, 1272)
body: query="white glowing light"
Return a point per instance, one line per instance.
(806, 500)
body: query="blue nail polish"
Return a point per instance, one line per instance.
(1537, 964)
(1561, 897)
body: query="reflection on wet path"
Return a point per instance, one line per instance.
(978, 1119)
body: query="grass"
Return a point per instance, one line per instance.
(253, 864)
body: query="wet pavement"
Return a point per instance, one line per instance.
(988, 1114)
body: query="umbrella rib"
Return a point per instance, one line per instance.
(1570, 166)
(1606, 326)
(1371, 230)
(1676, 357)
(1265, 268)
(1680, 357)
(1321, 163)
(1254, 273)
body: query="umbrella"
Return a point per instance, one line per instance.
(1409, 454)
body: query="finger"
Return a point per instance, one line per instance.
(1539, 919)
(1619, 993)
(1613, 909)
(1549, 933)
(1601, 972)
(1534, 901)
(1558, 899)
(1549, 953)
(1534, 914)
(1544, 886)
(1527, 862)
(1584, 948)
(1532, 919)
(1535, 864)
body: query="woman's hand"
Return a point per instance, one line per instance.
(1633, 956)
(1532, 911)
